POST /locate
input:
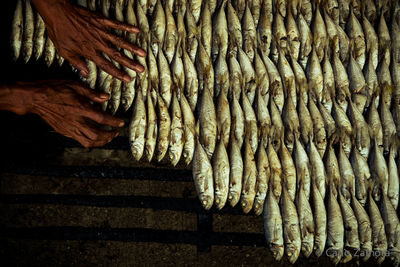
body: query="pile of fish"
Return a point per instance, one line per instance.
(291, 108)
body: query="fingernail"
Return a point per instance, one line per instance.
(104, 96)
(116, 135)
(122, 124)
(142, 53)
(127, 78)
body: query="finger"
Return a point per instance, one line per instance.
(105, 138)
(79, 64)
(122, 43)
(85, 91)
(101, 117)
(119, 25)
(122, 59)
(110, 68)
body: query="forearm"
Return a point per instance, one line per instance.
(16, 97)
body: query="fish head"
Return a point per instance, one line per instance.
(277, 251)
(292, 253)
(219, 200)
(334, 255)
(318, 249)
(233, 198)
(306, 249)
(258, 206)
(206, 201)
(395, 257)
(246, 203)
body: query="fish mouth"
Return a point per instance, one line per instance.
(233, 198)
(277, 251)
(334, 255)
(246, 205)
(318, 250)
(219, 202)
(206, 201)
(258, 206)
(306, 249)
(292, 253)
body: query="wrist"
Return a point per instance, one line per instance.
(17, 97)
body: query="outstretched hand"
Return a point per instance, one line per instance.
(65, 106)
(79, 33)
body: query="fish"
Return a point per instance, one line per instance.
(191, 80)
(388, 126)
(237, 122)
(362, 176)
(142, 79)
(315, 76)
(137, 127)
(369, 10)
(208, 123)
(291, 229)
(91, 80)
(262, 80)
(234, 29)
(275, 83)
(104, 83)
(392, 228)
(291, 123)
(335, 227)
(203, 176)
(332, 165)
(118, 14)
(151, 131)
(287, 75)
(192, 42)
(189, 130)
(301, 80)
(344, 11)
(288, 171)
(235, 77)
(165, 79)
(395, 42)
(115, 99)
(158, 28)
(153, 74)
(319, 128)
(273, 227)
(379, 241)
(276, 171)
(105, 7)
(361, 128)
(219, 33)
(356, 78)
(372, 83)
(384, 40)
(379, 172)
(177, 70)
(306, 10)
(357, 37)
(342, 83)
(351, 239)
(171, 35)
(28, 32)
(305, 121)
(17, 30)
(206, 28)
(205, 70)
(306, 40)
(249, 33)
(240, 6)
(221, 76)
(330, 125)
(344, 45)
(320, 222)
(91, 4)
(263, 118)
(223, 119)
(251, 129)
(195, 8)
(385, 83)
(264, 30)
(262, 180)
(393, 182)
(130, 18)
(347, 185)
(328, 84)
(332, 42)
(371, 41)
(255, 7)
(249, 177)
(39, 37)
(180, 22)
(374, 123)
(319, 34)
(276, 122)
(177, 132)
(279, 32)
(248, 75)
(342, 121)
(236, 173)
(221, 170)
(364, 229)
(306, 222)
(318, 172)
(164, 128)
(281, 6)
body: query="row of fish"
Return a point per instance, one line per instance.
(291, 108)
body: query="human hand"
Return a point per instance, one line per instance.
(79, 33)
(65, 106)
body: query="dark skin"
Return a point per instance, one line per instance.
(65, 106)
(77, 34)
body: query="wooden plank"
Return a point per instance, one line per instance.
(238, 223)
